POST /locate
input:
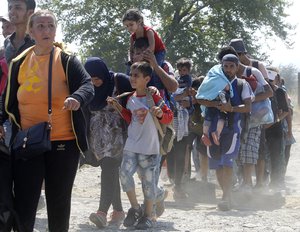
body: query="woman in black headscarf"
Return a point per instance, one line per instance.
(106, 139)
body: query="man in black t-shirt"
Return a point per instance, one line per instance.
(274, 133)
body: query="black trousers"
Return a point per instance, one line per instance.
(110, 185)
(6, 196)
(5, 182)
(58, 168)
(277, 159)
(176, 161)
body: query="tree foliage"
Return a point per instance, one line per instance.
(290, 75)
(190, 28)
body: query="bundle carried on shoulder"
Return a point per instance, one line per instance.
(166, 132)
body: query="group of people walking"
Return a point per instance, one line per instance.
(113, 117)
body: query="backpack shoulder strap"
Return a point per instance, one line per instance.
(239, 85)
(255, 64)
(248, 71)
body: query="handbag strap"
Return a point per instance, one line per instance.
(50, 87)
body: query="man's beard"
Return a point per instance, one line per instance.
(228, 76)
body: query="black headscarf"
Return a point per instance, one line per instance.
(97, 68)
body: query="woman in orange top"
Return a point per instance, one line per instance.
(26, 103)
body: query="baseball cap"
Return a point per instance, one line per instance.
(272, 75)
(231, 58)
(238, 45)
(4, 18)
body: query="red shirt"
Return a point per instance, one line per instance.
(159, 45)
(4, 68)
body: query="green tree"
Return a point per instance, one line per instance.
(290, 75)
(190, 28)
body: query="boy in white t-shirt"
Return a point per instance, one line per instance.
(142, 146)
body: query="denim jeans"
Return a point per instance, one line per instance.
(146, 165)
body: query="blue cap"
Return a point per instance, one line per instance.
(238, 45)
(231, 58)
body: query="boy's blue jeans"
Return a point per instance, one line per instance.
(147, 165)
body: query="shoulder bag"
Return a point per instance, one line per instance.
(35, 140)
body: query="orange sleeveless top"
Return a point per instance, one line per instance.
(33, 94)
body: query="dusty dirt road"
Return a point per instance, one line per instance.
(198, 213)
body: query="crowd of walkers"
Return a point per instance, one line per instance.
(236, 120)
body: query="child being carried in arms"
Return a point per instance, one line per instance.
(214, 115)
(217, 87)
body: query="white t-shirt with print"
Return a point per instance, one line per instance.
(142, 133)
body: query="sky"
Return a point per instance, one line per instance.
(279, 54)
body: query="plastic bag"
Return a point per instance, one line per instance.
(261, 113)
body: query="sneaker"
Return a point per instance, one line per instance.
(117, 217)
(144, 223)
(160, 205)
(224, 205)
(132, 217)
(99, 219)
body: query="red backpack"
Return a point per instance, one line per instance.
(250, 78)
(3, 74)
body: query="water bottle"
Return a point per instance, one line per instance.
(222, 96)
